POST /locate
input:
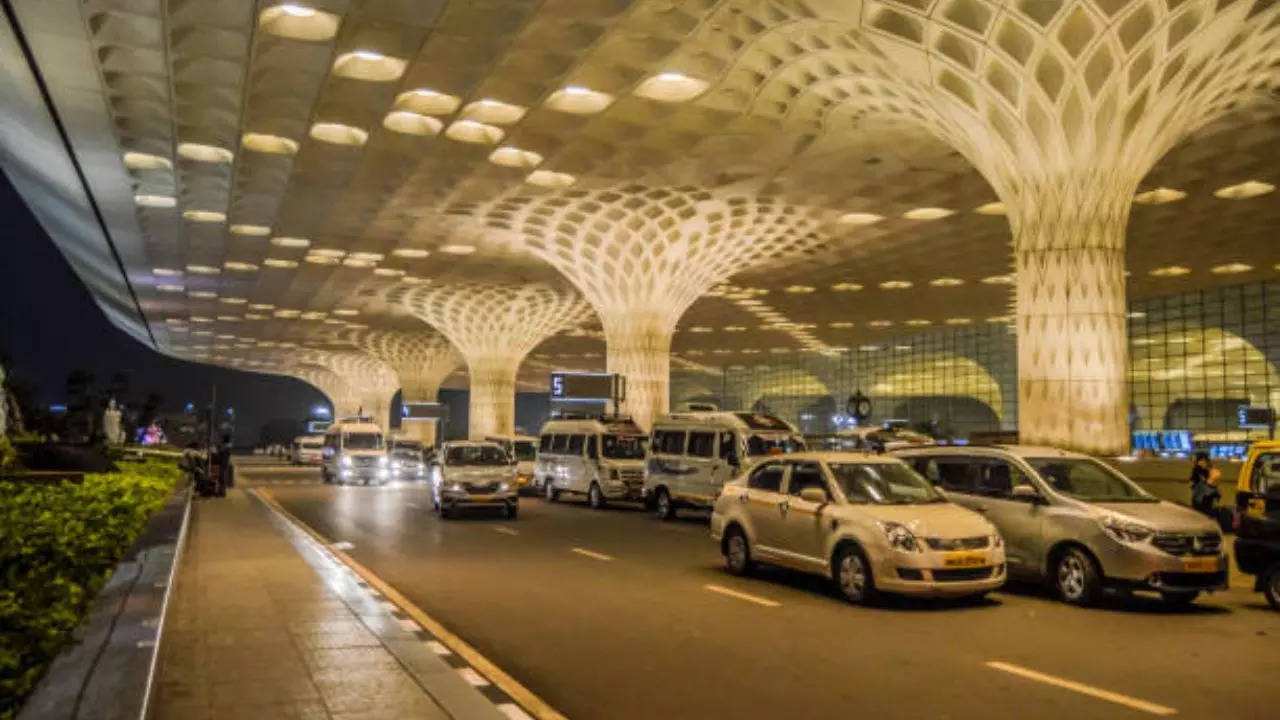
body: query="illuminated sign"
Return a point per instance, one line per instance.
(1255, 417)
(411, 411)
(583, 387)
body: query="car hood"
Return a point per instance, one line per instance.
(942, 520)
(474, 474)
(1162, 516)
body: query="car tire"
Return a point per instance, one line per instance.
(510, 511)
(663, 506)
(737, 552)
(1076, 578)
(549, 490)
(595, 498)
(1271, 585)
(445, 512)
(1179, 598)
(852, 574)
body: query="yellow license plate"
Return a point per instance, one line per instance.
(479, 498)
(1257, 507)
(1201, 564)
(964, 559)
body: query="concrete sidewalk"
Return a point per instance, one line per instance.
(264, 624)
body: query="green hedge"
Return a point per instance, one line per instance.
(58, 545)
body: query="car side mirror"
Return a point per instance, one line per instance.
(814, 495)
(1026, 493)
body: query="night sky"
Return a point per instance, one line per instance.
(49, 325)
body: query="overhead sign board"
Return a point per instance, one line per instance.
(423, 411)
(1255, 417)
(587, 387)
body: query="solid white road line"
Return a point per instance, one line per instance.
(1135, 703)
(591, 554)
(505, 530)
(766, 602)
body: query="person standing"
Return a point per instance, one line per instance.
(1204, 485)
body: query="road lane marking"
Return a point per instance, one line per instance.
(513, 712)
(342, 545)
(766, 602)
(473, 678)
(505, 530)
(591, 554)
(1135, 703)
(438, 648)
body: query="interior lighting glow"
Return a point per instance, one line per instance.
(1230, 268)
(252, 230)
(411, 123)
(494, 112)
(846, 287)
(365, 256)
(800, 289)
(204, 216)
(578, 100)
(368, 65)
(1159, 196)
(471, 131)
(1169, 271)
(233, 300)
(699, 329)
(146, 161)
(927, 213)
(1000, 319)
(345, 312)
(946, 282)
(841, 325)
(201, 319)
(321, 259)
(388, 272)
(339, 134)
(895, 284)
(880, 323)
(509, 156)
(239, 266)
(154, 201)
(410, 252)
(859, 218)
(413, 280)
(166, 272)
(999, 280)
(266, 143)
(205, 153)
(170, 288)
(959, 321)
(425, 101)
(262, 306)
(671, 87)
(299, 22)
(280, 263)
(203, 294)
(286, 313)
(734, 328)
(991, 208)
(549, 179)
(203, 269)
(290, 242)
(1245, 190)
(355, 262)
(919, 322)
(327, 252)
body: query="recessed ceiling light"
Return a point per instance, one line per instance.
(146, 161)
(356, 262)
(239, 266)
(859, 218)
(262, 306)
(424, 101)
(410, 252)
(699, 329)
(203, 269)
(254, 316)
(368, 65)
(254, 230)
(321, 259)
(1170, 271)
(919, 322)
(328, 252)
(474, 132)
(290, 242)
(494, 112)
(1159, 196)
(205, 153)
(671, 87)
(959, 321)
(880, 323)
(204, 216)
(895, 284)
(999, 280)
(265, 143)
(299, 22)
(1230, 268)
(927, 213)
(841, 325)
(233, 300)
(457, 249)
(800, 289)
(155, 201)
(280, 263)
(579, 100)
(314, 315)
(1000, 319)
(734, 328)
(338, 134)
(388, 272)
(549, 179)
(991, 208)
(1245, 190)
(846, 287)
(376, 257)
(413, 280)
(1136, 315)
(411, 123)
(286, 313)
(166, 272)
(203, 294)
(509, 156)
(946, 282)
(345, 312)
(170, 288)
(201, 319)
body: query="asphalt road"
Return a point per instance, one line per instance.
(608, 614)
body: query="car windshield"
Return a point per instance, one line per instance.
(363, 441)
(883, 484)
(476, 455)
(310, 444)
(1089, 480)
(525, 450)
(409, 445)
(774, 444)
(622, 447)
(407, 453)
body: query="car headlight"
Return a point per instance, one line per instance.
(900, 538)
(455, 486)
(382, 461)
(503, 487)
(346, 460)
(1126, 530)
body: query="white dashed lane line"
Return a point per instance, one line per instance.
(1099, 693)
(764, 602)
(591, 554)
(505, 530)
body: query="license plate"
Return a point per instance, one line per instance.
(1202, 564)
(480, 498)
(964, 559)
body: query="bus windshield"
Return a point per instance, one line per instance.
(622, 447)
(363, 441)
(525, 450)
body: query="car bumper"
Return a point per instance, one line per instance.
(363, 474)
(623, 489)
(1144, 567)
(942, 574)
(462, 499)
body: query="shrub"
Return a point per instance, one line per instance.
(58, 545)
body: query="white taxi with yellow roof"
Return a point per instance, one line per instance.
(869, 522)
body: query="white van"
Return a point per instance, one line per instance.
(693, 454)
(602, 458)
(307, 450)
(525, 451)
(354, 451)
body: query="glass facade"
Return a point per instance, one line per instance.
(1195, 359)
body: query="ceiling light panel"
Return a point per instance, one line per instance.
(146, 161)
(671, 87)
(509, 156)
(298, 21)
(411, 123)
(1245, 190)
(493, 112)
(273, 144)
(424, 101)
(927, 213)
(549, 179)
(154, 201)
(205, 153)
(1159, 196)
(859, 218)
(991, 208)
(578, 100)
(204, 216)
(250, 230)
(471, 131)
(339, 134)
(368, 65)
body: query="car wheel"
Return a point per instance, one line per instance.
(595, 498)
(853, 576)
(446, 512)
(510, 510)
(1076, 578)
(550, 491)
(1180, 599)
(662, 504)
(737, 552)
(1271, 586)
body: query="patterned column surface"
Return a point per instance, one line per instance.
(493, 396)
(421, 359)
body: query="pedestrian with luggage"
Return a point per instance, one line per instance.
(1204, 485)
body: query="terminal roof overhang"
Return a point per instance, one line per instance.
(147, 77)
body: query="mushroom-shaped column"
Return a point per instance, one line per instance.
(641, 255)
(421, 359)
(343, 397)
(494, 327)
(1064, 107)
(373, 381)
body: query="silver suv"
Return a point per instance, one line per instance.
(1079, 523)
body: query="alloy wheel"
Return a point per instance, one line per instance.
(1071, 576)
(853, 576)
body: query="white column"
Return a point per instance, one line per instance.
(638, 347)
(493, 396)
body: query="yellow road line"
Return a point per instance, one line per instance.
(534, 705)
(1117, 698)
(742, 596)
(591, 554)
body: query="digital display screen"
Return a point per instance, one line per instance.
(583, 386)
(1255, 417)
(317, 427)
(422, 411)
